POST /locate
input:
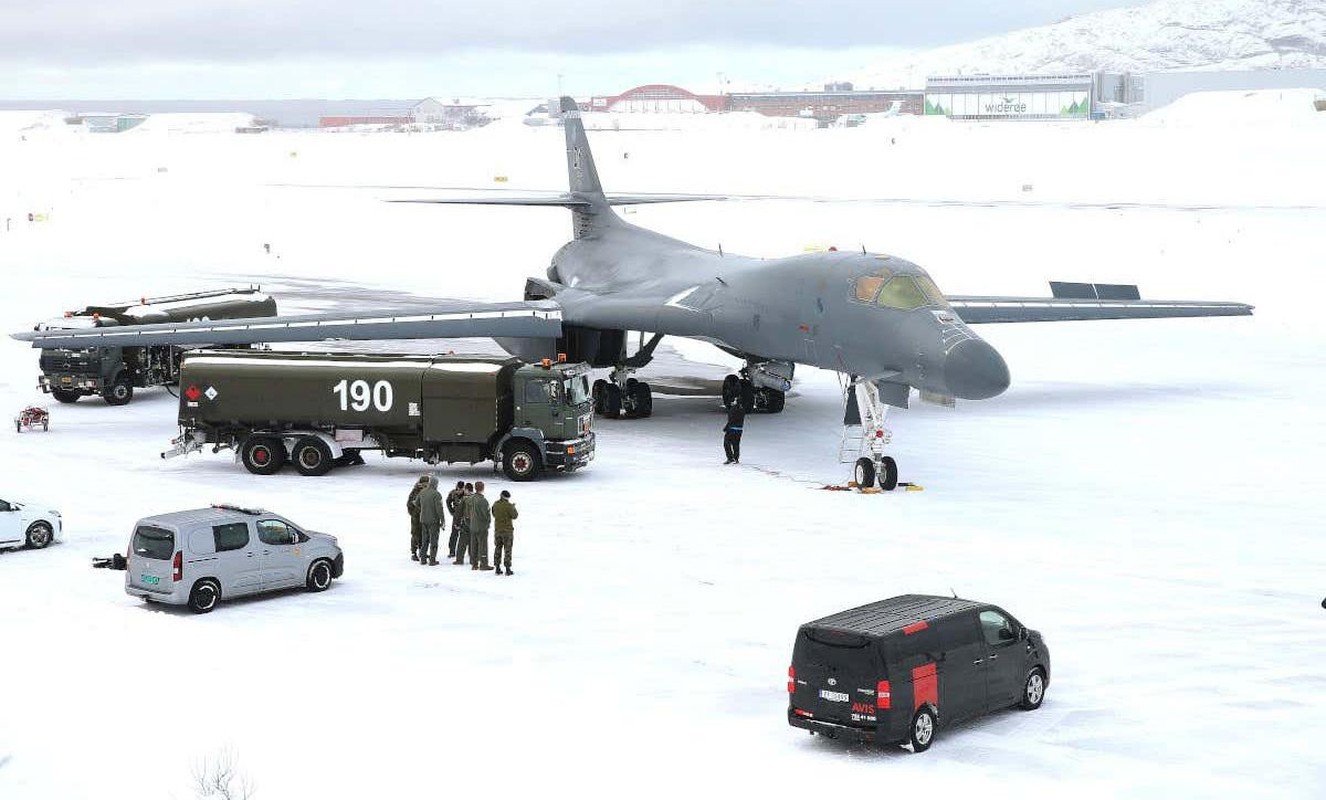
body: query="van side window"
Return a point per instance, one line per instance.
(996, 627)
(231, 536)
(274, 531)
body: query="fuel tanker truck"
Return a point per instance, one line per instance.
(114, 372)
(316, 411)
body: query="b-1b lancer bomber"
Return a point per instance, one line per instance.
(878, 319)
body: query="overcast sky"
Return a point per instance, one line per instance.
(235, 49)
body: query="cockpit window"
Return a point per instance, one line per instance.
(867, 286)
(902, 293)
(932, 292)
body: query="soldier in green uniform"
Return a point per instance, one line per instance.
(504, 533)
(480, 517)
(463, 533)
(432, 515)
(416, 530)
(454, 498)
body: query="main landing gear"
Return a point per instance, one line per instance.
(760, 388)
(623, 395)
(864, 437)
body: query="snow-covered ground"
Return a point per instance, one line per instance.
(1147, 494)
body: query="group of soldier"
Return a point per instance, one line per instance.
(471, 517)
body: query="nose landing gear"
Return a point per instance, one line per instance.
(865, 437)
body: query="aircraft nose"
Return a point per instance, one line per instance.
(973, 370)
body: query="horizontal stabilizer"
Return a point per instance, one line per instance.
(532, 319)
(566, 200)
(975, 310)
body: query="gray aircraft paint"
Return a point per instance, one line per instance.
(615, 275)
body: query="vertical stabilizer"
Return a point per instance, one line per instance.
(583, 176)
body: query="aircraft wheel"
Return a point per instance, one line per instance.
(612, 401)
(642, 398)
(746, 396)
(888, 474)
(599, 393)
(864, 473)
(731, 388)
(773, 401)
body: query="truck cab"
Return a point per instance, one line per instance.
(553, 413)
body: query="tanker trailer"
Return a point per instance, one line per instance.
(316, 411)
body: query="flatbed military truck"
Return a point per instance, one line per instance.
(114, 372)
(317, 411)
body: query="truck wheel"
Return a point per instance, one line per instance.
(864, 473)
(319, 576)
(39, 535)
(522, 461)
(643, 399)
(262, 455)
(118, 393)
(204, 596)
(923, 730)
(888, 474)
(66, 395)
(612, 401)
(312, 456)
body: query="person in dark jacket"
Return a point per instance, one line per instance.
(480, 517)
(454, 498)
(463, 532)
(504, 533)
(432, 515)
(416, 529)
(736, 420)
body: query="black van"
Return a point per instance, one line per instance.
(890, 672)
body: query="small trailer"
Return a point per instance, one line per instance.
(31, 417)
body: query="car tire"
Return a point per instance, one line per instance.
(863, 473)
(118, 393)
(319, 576)
(262, 455)
(311, 456)
(205, 595)
(66, 395)
(1033, 690)
(521, 460)
(39, 535)
(887, 474)
(922, 729)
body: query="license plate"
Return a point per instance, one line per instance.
(66, 381)
(835, 697)
(150, 580)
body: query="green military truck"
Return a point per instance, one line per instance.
(316, 411)
(114, 372)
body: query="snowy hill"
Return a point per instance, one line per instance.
(1163, 35)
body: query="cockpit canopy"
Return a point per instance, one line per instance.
(884, 287)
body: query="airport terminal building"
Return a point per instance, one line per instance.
(1010, 96)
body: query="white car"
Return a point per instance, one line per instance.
(28, 525)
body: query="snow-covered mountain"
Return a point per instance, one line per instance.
(1163, 35)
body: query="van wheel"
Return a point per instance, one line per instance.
(204, 596)
(522, 462)
(923, 730)
(319, 576)
(312, 456)
(262, 455)
(1033, 691)
(888, 474)
(39, 535)
(864, 473)
(119, 393)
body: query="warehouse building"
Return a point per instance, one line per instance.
(1011, 96)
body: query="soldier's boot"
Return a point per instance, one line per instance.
(508, 570)
(414, 556)
(432, 562)
(484, 566)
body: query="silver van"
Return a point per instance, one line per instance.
(197, 557)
